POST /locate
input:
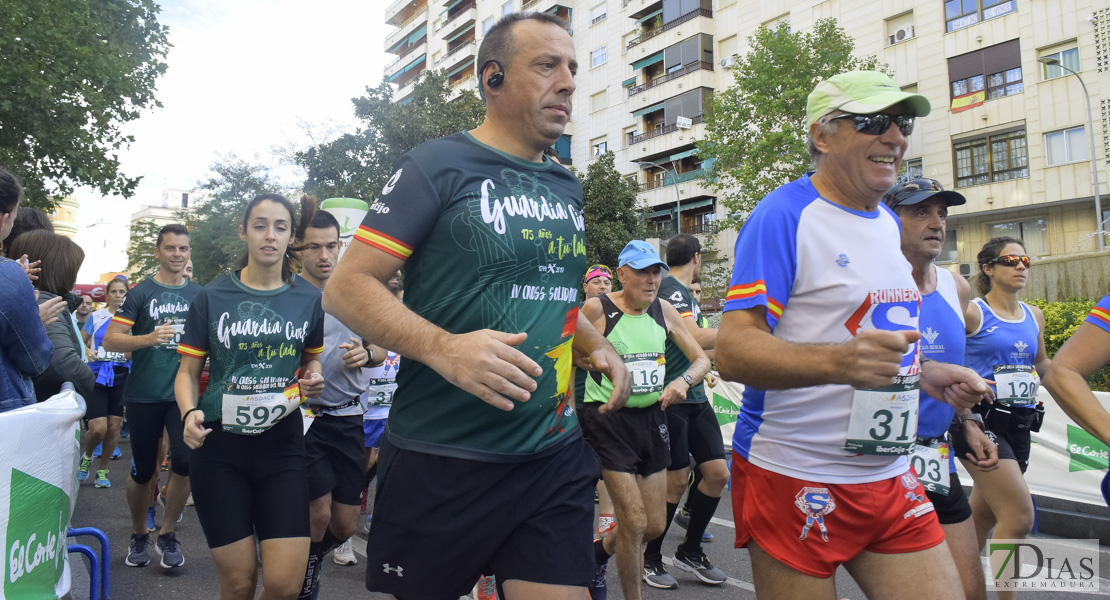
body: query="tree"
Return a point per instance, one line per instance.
(141, 263)
(756, 129)
(72, 73)
(612, 210)
(357, 165)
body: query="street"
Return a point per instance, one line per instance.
(106, 509)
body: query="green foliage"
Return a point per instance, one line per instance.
(756, 129)
(357, 165)
(214, 223)
(73, 72)
(141, 262)
(612, 210)
(1061, 319)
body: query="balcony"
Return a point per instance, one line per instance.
(653, 32)
(528, 4)
(407, 30)
(669, 180)
(458, 57)
(401, 10)
(685, 70)
(392, 66)
(468, 7)
(409, 72)
(673, 127)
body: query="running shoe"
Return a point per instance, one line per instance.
(657, 577)
(83, 468)
(682, 517)
(125, 430)
(170, 551)
(700, 566)
(597, 588)
(366, 526)
(136, 551)
(166, 464)
(150, 525)
(102, 479)
(344, 554)
(116, 453)
(605, 524)
(487, 588)
(97, 450)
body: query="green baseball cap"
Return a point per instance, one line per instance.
(860, 92)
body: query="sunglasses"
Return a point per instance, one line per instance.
(878, 123)
(1010, 260)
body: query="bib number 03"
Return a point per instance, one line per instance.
(884, 420)
(253, 414)
(930, 463)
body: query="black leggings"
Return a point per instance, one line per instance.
(146, 421)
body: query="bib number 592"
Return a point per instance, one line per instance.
(258, 415)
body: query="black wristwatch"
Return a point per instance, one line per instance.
(689, 380)
(975, 417)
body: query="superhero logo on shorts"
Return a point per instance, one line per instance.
(664, 433)
(815, 503)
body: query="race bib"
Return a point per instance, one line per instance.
(252, 414)
(647, 370)
(884, 420)
(380, 392)
(930, 463)
(178, 328)
(309, 415)
(1017, 385)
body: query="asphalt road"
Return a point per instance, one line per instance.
(106, 509)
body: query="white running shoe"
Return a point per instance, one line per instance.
(344, 555)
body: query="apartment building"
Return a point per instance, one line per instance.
(1007, 131)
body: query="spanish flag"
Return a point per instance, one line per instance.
(962, 103)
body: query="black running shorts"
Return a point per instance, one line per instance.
(146, 420)
(953, 508)
(107, 401)
(694, 430)
(1013, 441)
(336, 458)
(630, 440)
(440, 522)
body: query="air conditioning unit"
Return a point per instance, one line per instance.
(966, 270)
(729, 61)
(683, 123)
(902, 34)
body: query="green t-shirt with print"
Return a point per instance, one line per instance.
(489, 242)
(680, 297)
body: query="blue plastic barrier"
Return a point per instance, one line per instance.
(100, 569)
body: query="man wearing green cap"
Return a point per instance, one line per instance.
(821, 325)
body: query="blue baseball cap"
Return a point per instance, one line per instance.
(639, 254)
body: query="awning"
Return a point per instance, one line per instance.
(449, 7)
(696, 204)
(468, 65)
(663, 213)
(650, 16)
(629, 82)
(682, 155)
(412, 64)
(651, 60)
(652, 108)
(461, 31)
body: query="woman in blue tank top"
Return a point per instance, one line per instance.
(1005, 344)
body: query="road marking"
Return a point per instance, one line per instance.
(728, 524)
(744, 585)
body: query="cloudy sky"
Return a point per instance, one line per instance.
(242, 76)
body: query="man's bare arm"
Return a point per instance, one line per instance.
(118, 338)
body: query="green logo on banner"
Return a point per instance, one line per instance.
(1087, 453)
(37, 520)
(726, 409)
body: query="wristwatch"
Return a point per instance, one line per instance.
(689, 380)
(974, 417)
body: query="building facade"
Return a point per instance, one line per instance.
(64, 217)
(1007, 131)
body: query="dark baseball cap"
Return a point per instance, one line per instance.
(918, 190)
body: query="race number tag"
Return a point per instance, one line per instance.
(380, 392)
(252, 414)
(1017, 385)
(647, 370)
(178, 329)
(884, 420)
(930, 463)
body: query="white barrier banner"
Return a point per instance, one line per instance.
(1065, 461)
(39, 451)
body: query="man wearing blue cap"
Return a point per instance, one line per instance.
(821, 326)
(634, 443)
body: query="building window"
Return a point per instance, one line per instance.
(914, 169)
(1069, 145)
(996, 157)
(599, 146)
(629, 133)
(597, 14)
(949, 252)
(597, 101)
(1069, 57)
(1032, 232)
(899, 29)
(965, 13)
(597, 57)
(487, 25)
(507, 9)
(996, 69)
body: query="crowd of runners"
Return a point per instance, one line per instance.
(505, 385)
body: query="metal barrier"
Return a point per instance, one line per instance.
(99, 570)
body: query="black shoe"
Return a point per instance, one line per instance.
(136, 551)
(700, 566)
(657, 577)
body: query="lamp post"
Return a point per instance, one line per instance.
(677, 195)
(1055, 62)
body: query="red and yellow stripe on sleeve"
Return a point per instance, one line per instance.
(1100, 314)
(316, 350)
(751, 290)
(191, 351)
(685, 314)
(123, 321)
(383, 242)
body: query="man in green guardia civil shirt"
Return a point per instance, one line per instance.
(482, 431)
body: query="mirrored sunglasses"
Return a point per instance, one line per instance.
(1011, 260)
(878, 123)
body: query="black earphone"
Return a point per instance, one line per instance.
(497, 78)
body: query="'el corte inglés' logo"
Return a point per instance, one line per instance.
(36, 536)
(1086, 451)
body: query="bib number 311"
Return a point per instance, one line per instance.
(884, 420)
